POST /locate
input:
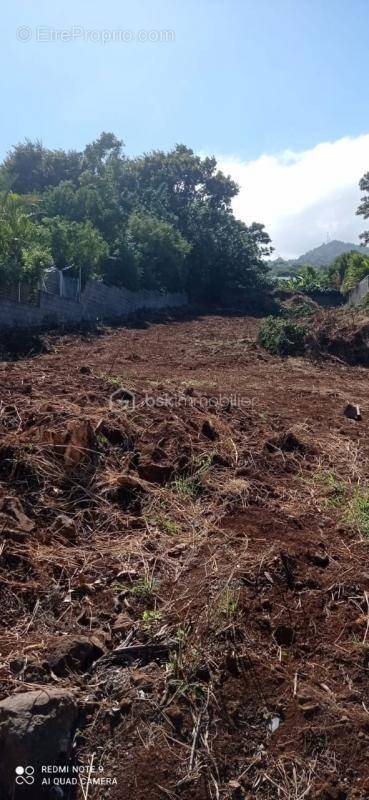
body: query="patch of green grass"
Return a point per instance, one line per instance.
(336, 491)
(229, 602)
(145, 587)
(354, 502)
(202, 463)
(357, 513)
(189, 486)
(119, 587)
(186, 486)
(150, 618)
(114, 380)
(169, 526)
(161, 521)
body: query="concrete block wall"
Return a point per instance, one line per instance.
(359, 292)
(19, 315)
(97, 302)
(59, 309)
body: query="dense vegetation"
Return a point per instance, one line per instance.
(282, 336)
(161, 221)
(348, 270)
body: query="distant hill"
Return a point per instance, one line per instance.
(320, 256)
(324, 255)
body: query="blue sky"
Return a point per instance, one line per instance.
(239, 78)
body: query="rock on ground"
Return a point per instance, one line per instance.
(36, 728)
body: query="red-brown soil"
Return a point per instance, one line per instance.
(201, 518)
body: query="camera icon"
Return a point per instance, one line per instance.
(25, 775)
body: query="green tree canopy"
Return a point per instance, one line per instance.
(75, 244)
(163, 220)
(348, 270)
(160, 251)
(24, 249)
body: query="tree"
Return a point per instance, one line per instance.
(311, 279)
(338, 269)
(194, 196)
(163, 220)
(121, 267)
(30, 167)
(169, 184)
(95, 200)
(76, 244)
(348, 270)
(363, 209)
(358, 268)
(160, 252)
(102, 153)
(149, 254)
(24, 251)
(225, 255)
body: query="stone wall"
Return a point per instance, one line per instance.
(359, 292)
(98, 302)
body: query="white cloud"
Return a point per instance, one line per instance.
(302, 197)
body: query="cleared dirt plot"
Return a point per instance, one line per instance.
(184, 525)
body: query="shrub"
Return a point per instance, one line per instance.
(282, 337)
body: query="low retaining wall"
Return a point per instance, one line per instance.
(98, 302)
(329, 298)
(359, 292)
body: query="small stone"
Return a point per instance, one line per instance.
(73, 654)
(209, 430)
(123, 623)
(352, 411)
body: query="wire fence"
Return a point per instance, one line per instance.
(20, 292)
(53, 281)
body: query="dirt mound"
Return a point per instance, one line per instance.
(343, 334)
(20, 344)
(300, 305)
